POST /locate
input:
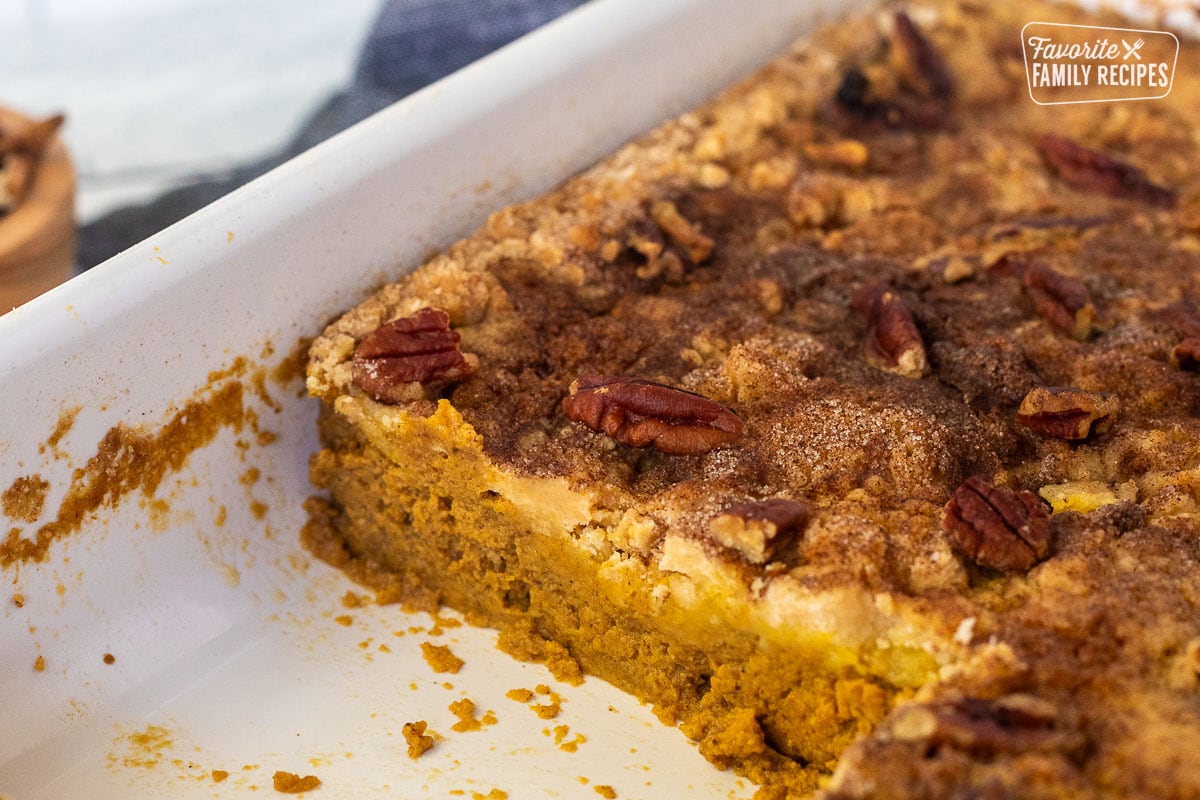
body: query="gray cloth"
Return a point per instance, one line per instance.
(412, 43)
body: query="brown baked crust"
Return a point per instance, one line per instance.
(806, 201)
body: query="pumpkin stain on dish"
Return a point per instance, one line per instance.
(66, 421)
(25, 498)
(130, 459)
(127, 460)
(158, 513)
(144, 748)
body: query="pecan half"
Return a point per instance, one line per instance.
(996, 527)
(641, 413)
(1067, 413)
(395, 360)
(920, 58)
(1062, 301)
(893, 343)
(1092, 170)
(1012, 724)
(760, 529)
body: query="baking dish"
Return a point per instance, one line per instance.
(173, 629)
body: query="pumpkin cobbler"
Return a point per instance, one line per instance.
(849, 419)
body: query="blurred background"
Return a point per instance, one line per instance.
(171, 104)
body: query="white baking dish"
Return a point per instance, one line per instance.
(227, 652)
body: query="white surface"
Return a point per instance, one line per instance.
(224, 636)
(157, 91)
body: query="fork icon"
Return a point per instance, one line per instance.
(1132, 50)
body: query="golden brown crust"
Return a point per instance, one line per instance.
(720, 254)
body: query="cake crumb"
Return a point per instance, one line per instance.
(345, 620)
(219, 775)
(494, 794)
(464, 709)
(549, 710)
(19, 600)
(604, 790)
(291, 783)
(560, 739)
(39, 664)
(440, 659)
(109, 659)
(419, 738)
(352, 600)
